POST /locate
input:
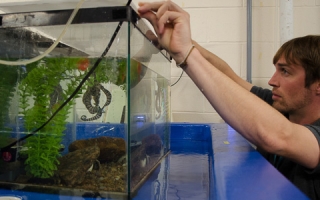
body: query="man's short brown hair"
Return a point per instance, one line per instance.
(304, 51)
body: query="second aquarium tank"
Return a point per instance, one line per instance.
(85, 100)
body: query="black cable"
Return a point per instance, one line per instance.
(178, 79)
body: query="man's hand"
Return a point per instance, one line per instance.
(172, 26)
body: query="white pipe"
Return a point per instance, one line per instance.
(51, 48)
(249, 41)
(286, 20)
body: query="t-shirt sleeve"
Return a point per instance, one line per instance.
(316, 132)
(264, 94)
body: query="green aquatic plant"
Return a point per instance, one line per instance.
(47, 84)
(110, 70)
(114, 70)
(8, 81)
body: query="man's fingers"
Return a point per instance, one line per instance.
(146, 7)
(168, 6)
(169, 18)
(160, 6)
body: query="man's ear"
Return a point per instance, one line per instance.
(317, 87)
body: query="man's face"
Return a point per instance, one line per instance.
(289, 92)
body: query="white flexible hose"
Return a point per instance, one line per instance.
(25, 62)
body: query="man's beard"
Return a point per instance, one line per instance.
(284, 107)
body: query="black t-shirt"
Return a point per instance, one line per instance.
(307, 180)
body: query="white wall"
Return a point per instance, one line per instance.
(220, 26)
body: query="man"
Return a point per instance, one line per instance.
(288, 132)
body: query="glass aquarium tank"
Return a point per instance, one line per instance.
(85, 99)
